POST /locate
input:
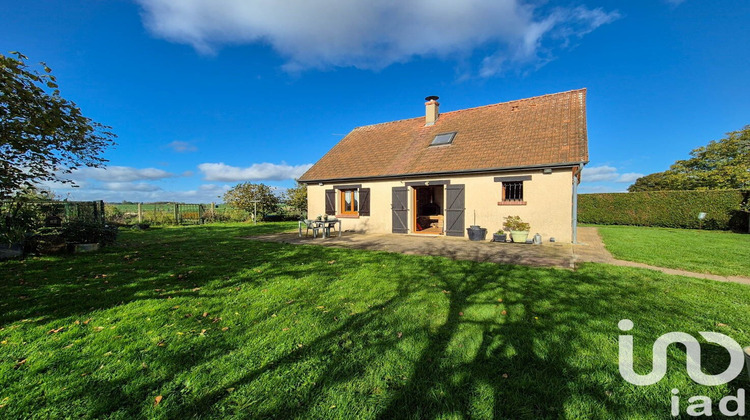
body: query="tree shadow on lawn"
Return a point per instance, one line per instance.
(479, 362)
(434, 341)
(162, 263)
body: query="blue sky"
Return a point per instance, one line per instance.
(205, 94)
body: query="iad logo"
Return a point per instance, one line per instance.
(659, 368)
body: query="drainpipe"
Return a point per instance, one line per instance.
(575, 203)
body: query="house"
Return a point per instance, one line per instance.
(440, 173)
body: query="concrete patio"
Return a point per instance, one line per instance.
(590, 248)
(547, 255)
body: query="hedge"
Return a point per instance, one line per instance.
(674, 209)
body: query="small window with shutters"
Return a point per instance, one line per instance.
(349, 202)
(512, 193)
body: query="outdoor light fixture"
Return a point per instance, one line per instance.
(547, 171)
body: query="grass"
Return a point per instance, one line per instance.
(702, 251)
(214, 325)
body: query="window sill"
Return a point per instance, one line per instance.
(511, 203)
(347, 216)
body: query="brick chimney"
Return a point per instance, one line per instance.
(432, 110)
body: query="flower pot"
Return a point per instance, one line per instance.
(499, 237)
(519, 236)
(476, 233)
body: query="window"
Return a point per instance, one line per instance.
(513, 191)
(445, 138)
(350, 202)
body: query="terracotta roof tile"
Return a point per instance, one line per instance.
(539, 131)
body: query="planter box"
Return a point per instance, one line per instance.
(77, 248)
(10, 251)
(499, 237)
(519, 236)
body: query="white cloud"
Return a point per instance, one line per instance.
(605, 178)
(599, 173)
(256, 172)
(376, 33)
(119, 174)
(629, 177)
(126, 186)
(205, 193)
(182, 146)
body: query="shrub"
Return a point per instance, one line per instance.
(515, 223)
(673, 209)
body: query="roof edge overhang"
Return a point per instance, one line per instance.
(446, 173)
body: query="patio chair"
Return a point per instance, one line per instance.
(330, 224)
(309, 225)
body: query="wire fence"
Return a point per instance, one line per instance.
(184, 213)
(52, 213)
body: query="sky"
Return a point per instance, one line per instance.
(205, 94)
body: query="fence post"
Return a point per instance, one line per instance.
(200, 214)
(140, 213)
(176, 214)
(95, 214)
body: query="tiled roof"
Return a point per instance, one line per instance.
(540, 131)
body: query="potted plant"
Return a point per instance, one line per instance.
(500, 236)
(519, 230)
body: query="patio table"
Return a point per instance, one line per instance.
(326, 226)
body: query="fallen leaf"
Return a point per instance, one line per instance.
(86, 322)
(499, 300)
(321, 307)
(505, 375)
(285, 329)
(205, 314)
(225, 329)
(19, 364)
(446, 292)
(460, 314)
(504, 312)
(720, 324)
(332, 262)
(203, 332)
(98, 328)
(157, 400)
(400, 334)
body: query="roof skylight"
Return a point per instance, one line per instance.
(441, 139)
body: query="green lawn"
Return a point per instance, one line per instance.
(218, 326)
(702, 251)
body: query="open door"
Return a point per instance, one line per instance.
(400, 210)
(454, 209)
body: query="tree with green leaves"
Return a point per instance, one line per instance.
(722, 164)
(247, 195)
(42, 135)
(296, 197)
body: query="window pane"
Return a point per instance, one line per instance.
(446, 138)
(356, 201)
(513, 191)
(347, 201)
